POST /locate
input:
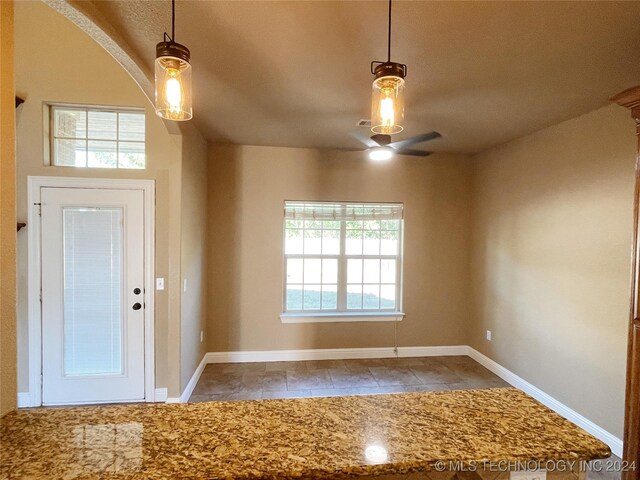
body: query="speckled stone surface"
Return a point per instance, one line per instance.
(323, 438)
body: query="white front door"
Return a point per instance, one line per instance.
(92, 295)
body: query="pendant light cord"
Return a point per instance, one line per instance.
(173, 20)
(389, 35)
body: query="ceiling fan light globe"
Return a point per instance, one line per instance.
(380, 154)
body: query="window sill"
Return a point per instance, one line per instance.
(341, 317)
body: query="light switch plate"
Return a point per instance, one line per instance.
(159, 283)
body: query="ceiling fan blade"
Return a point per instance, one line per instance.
(414, 153)
(364, 140)
(425, 137)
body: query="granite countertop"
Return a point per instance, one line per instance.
(323, 438)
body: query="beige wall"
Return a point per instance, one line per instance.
(7, 214)
(194, 252)
(74, 69)
(247, 188)
(551, 243)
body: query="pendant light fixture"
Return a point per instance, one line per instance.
(387, 101)
(173, 76)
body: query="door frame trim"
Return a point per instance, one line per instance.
(630, 99)
(34, 280)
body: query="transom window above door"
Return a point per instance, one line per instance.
(96, 137)
(342, 258)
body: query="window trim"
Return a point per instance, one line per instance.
(341, 314)
(335, 317)
(49, 131)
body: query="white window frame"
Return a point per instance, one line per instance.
(341, 313)
(49, 131)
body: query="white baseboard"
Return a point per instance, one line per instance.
(331, 354)
(193, 381)
(24, 399)
(615, 444)
(160, 395)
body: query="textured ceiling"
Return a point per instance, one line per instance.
(296, 73)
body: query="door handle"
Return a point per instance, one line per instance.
(137, 306)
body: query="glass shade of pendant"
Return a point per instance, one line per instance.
(173, 82)
(387, 105)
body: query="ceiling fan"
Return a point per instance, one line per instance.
(380, 147)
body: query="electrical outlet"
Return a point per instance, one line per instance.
(489, 335)
(201, 336)
(159, 283)
(529, 475)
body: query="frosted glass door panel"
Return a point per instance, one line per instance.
(93, 270)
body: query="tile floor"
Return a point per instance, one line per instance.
(321, 378)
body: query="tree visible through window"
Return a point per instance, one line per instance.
(342, 257)
(97, 137)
